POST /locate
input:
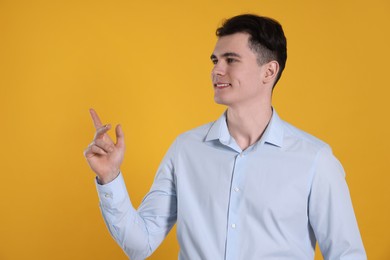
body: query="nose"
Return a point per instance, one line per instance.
(218, 70)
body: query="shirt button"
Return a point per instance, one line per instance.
(107, 195)
(233, 225)
(236, 189)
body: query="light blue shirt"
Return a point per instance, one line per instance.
(273, 200)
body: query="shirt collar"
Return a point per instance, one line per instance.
(273, 134)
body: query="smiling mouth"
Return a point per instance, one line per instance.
(222, 85)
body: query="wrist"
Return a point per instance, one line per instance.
(107, 179)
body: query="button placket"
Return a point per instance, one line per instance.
(108, 195)
(234, 207)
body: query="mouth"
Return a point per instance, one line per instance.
(222, 85)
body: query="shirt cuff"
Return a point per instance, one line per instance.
(112, 193)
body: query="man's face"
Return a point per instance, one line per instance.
(236, 76)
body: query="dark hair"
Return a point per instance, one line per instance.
(266, 37)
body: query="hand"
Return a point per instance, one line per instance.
(103, 155)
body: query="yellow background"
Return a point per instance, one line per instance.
(145, 64)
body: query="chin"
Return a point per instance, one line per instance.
(221, 101)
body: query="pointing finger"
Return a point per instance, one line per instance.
(95, 118)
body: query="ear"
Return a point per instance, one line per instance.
(271, 70)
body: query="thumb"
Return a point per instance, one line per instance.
(120, 137)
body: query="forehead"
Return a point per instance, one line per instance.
(234, 43)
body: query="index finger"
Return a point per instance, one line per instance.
(95, 118)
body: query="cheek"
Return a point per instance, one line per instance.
(238, 77)
(250, 78)
(254, 75)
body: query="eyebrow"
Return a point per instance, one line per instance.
(226, 54)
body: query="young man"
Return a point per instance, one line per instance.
(247, 186)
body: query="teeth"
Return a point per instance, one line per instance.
(222, 84)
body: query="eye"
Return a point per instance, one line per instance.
(214, 61)
(230, 60)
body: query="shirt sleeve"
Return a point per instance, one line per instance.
(331, 213)
(140, 232)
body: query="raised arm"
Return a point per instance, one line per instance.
(103, 155)
(138, 232)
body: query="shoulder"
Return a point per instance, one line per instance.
(295, 138)
(324, 160)
(196, 134)
(190, 141)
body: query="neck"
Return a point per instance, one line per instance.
(247, 124)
